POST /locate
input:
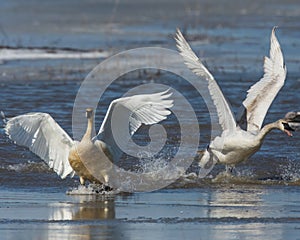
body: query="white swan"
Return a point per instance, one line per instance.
(44, 137)
(235, 145)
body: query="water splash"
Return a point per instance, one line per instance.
(290, 172)
(148, 164)
(28, 166)
(148, 174)
(91, 189)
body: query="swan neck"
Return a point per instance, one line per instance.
(267, 128)
(89, 130)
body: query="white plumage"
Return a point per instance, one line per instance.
(235, 144)
(44, 137)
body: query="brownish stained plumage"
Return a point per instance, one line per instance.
(91, 160)
(80, 169)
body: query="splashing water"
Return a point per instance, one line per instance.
(290, 172)
(150, 173)
(91, 189)
(28, 166)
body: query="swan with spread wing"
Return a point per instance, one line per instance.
(44, 137)
(241, 137)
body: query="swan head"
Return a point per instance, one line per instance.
(89, 113)
(284, 126)
(290, 123)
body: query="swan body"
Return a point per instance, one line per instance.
(233, 150)
(90, 152)
(237, 146)
(91, 158)
(240, 137)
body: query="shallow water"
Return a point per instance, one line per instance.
(259, 201)
(242, 212)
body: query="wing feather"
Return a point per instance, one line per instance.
(44, 137)
(225, 116)
(125, 115)
(261, 95)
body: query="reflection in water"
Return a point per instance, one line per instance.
(241, 204)
(81, 209)
(104, 211)
(87, 207)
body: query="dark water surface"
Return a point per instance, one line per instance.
(260, 201)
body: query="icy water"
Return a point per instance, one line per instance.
(47, 50)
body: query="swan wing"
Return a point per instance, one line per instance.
(125, 115)
(44, 137)
(225, 116)
(261, 95)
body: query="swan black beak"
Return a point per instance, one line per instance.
(288, 129)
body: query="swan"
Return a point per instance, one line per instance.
(43, 136)
(243, 136)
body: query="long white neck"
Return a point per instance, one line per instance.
(268, 128)
(89, 129)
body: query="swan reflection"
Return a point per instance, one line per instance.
(72, 219)
(240, 202)
(84, 207)
(242, 208)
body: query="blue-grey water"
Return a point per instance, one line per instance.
(262, 199)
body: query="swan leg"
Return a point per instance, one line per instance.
(82, 180)
(106, 186)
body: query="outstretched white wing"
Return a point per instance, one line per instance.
(125, 115)
(44, 137)
(261, 95)
(226, 118)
